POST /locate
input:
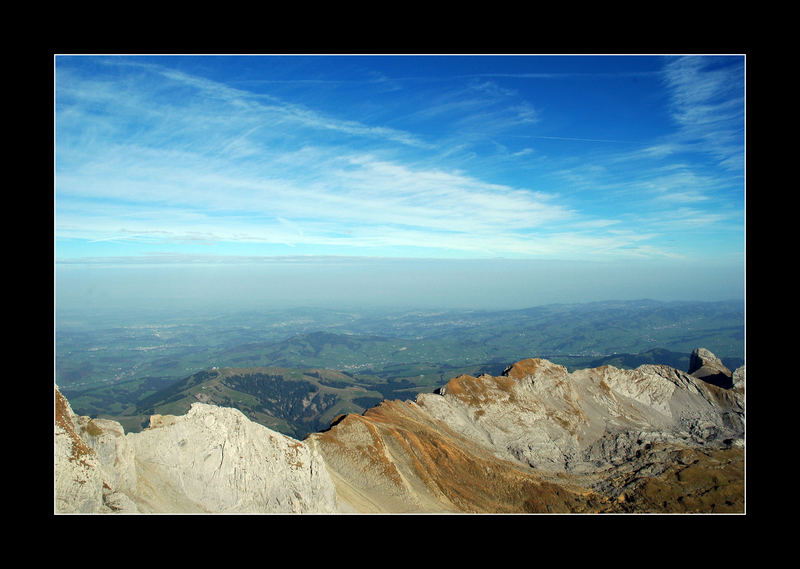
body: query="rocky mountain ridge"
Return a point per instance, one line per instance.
(536, 438)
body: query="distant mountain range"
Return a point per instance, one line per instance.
(339, 361)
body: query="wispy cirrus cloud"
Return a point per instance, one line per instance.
(707, 103)
(151, 155)
(471, 113)
(355, 200)
(207, 103)
(220, 164)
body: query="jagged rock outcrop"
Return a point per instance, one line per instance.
(542, 415)
(535, 439)
(706, 366)
(83, 483)
(212, 459)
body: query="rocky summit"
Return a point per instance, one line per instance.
(535, 439)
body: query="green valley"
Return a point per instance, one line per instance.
(296, 370)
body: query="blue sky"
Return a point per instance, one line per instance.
(184, 159)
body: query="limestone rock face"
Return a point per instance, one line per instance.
(214, 459)
(541, 415)
(84, 483)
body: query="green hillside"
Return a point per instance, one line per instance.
(291, 401)
(121, 372)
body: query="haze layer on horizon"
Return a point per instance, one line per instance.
(380, 284)
(484, 181)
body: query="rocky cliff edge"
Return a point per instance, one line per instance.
(212, 459)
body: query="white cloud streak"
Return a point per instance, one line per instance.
(707, 101)
(222, 164)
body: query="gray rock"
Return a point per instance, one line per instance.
(579, 421)
(212, 459)
(80, 480)
(739, 378)
(704, 365)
